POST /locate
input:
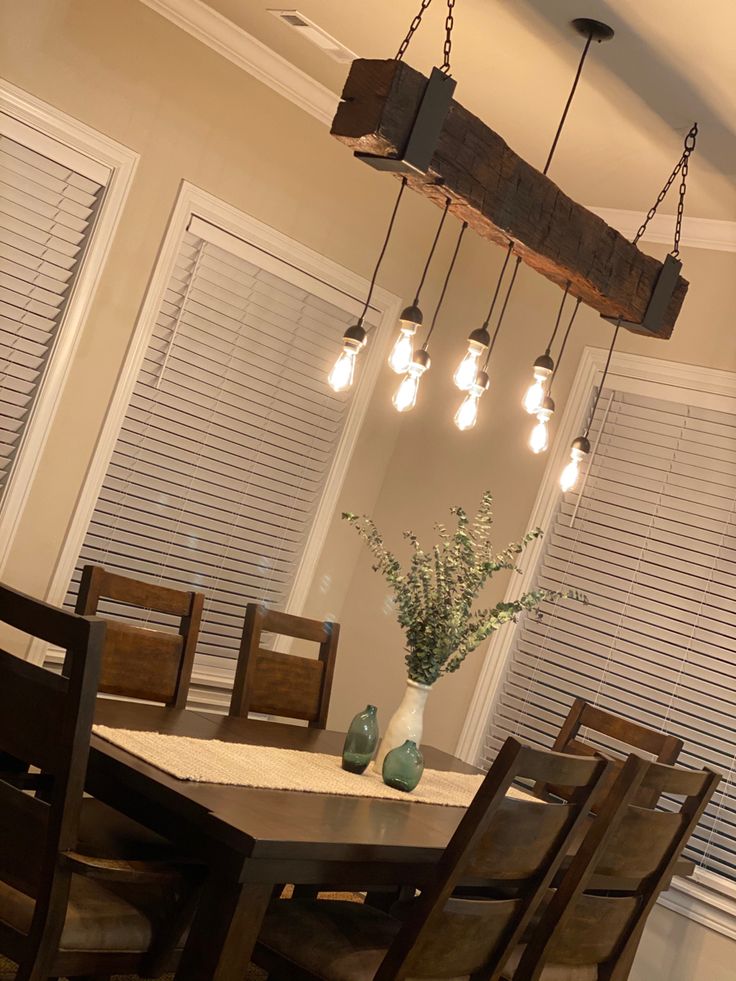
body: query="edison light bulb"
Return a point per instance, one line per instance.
(400, 357)
(343, 371)
(534, 396)
(539, 437)
(467, 414)
(569, 476)
(406, 394)
(467, 370)
(401, 353)
(405, 397)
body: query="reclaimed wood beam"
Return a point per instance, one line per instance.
(501, 196)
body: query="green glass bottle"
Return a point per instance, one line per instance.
(361, 741)
(403, 766)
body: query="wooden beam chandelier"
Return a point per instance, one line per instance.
(396, 120)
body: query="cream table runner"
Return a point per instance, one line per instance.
(273, 768)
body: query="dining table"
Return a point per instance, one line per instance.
(253, 840)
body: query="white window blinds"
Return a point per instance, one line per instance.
(49, 198)
(229, 436)
(651, 540)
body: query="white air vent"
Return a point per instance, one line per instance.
(313, 33)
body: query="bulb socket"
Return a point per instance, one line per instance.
(421, 359)
(480, 336)
(411, 316)
(548, 405)
(582, 443)
(545, 362)
(482, 380)
(355, 336)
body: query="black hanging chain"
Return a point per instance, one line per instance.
(414, 26)
(681, 167)
(447, 47)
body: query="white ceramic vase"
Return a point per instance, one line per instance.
(406, 722)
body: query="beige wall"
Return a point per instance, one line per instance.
(125, 71)
(434, 466)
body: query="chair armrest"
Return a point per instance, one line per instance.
(125, 870)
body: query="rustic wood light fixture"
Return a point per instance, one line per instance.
(395, 119)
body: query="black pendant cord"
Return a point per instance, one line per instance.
(562, 346)
(445, 285)
(498, 285)
(503, 311)
(382, 252)
(570, 97)
(431, 252)
(603, 378)
(551, 341)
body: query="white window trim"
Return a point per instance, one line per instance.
(385, 307)
(120, 163)
(706, 897)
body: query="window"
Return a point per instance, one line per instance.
(230, 436)
(62, 187)
(650, 537)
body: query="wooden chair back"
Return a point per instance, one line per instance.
(45, 723)
(286, 685)
(637, 848)
(139, 662)
(519, 840)
(623, 732)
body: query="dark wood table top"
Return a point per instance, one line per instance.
(253, 839)
(268, 824)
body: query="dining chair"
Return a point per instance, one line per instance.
(589, 935)
(613, 738)
(284, 685)
(141, 662)
(503, 836)
(138, 663)
(61, 912)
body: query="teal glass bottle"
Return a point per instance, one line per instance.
(361, 740)
(403, 766)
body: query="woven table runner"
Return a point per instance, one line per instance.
(273, 768)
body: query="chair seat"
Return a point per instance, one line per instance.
(554, 972)
(333, 940)
(343, 941)
(108, 918)
(106, 833)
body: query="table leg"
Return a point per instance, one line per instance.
(224, 932)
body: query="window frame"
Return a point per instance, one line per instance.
(706, 897)
(193, 202)
(120, 162)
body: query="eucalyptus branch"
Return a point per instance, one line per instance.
(435, 595)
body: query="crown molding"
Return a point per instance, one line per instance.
(697, 233)
(250, 54)
(270, 68)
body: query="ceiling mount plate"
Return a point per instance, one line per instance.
(594, 29)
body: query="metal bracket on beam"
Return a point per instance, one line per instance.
(659, 301)
(425, 132)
